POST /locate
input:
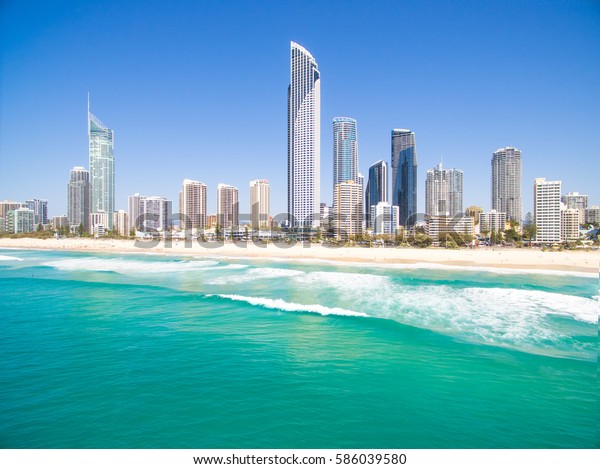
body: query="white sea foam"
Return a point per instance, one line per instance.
(128, 266)
(286, 306)
(343, 280)
(251, 275)
(9, 258)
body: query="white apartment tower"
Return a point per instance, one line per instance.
(569, 223)
(304, 139)
(192, 204)
(546, 206)
(78, 194)
(227, 206)
(506, 183)
(259, 203)
(348, 209)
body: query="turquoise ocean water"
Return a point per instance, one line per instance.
(139, 351)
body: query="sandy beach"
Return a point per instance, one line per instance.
(527, 258)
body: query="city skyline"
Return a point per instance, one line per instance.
(486, 112)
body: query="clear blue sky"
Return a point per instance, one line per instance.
(198, 89)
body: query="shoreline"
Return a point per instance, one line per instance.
(484, 257)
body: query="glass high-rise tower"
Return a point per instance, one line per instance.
(377, 187)
(304, 139)
(506, 183)
(345, 150)
(404, 175)
(102, 168)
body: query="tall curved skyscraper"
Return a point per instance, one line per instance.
(102, 168)
(345, 150)
(304, 139)
(506, 183)
(377, 187)
(404, 175)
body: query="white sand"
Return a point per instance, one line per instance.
(526, 258)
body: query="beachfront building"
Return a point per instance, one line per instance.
(345, 150)
(404, 175)
(60, 222)
(121, 222)
(592, 215)
(492, 221)
(78, 198)
(569, 223)
(444, 192)
(506, 183)
(7, 206)
(546, 206)
(304, 140)
(578, 201)
(260, 201)
(384, 218)
(133, 206)
(347, 209)
(40, 210)
(98, 223)
(377, 188)
(437, 225)
(473, 211)
(227, 206)
(155, 214)
(20, 220)
(102, 167)
(192, 205)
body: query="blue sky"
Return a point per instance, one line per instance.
(197, 89)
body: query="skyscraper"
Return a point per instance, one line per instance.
(506, 183)
(192, 204)
(155, 213)
(304, 139)
(345, 150)
(578, 201)
(377, 187)
(78, 194)
(444, 192)
(259, 203)
(102, 168)
(546, 207)
(227, 206)
(404, 175)
(133, 205)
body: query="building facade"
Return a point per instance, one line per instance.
(384, 218)
(40, 210)
(227, 206)
(78, 196)
(155, 214)
(492, 221)
(444, 192)
(21, 220)
(121, 223)
(192, 205)
(404, 175)
(377, 187)
(348, 209)
(102, 167)
(98, 223)
(304, 139)
(345, 150)
(260, 203)
(546, 207)
(578, 201)
(569, 223)
(7, 206)
(506, 183)
(592, 215)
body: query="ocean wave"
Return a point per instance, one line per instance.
(294, 307)
(254, 274)
(9, 258)
(125, 266)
